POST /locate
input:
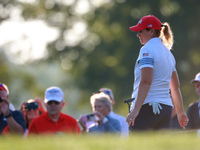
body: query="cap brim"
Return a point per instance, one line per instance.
(52, 99)
(193, 81)
(136, 28)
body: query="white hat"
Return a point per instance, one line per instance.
(53, 93)
(197, 78)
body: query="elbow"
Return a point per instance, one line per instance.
(145, 82)
(175, 87)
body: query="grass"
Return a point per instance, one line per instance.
(161, 140)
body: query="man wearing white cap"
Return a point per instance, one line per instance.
(54, 121)
(193, 111)
(121, 119)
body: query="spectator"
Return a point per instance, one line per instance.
(121, 119)
(31, 110)
(101, 106)
(12, 121)
(54, 121)
(193, 110)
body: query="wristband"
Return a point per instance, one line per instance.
(9, 115)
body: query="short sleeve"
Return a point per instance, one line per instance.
(174, 61)
(145, 59)
(19, 118)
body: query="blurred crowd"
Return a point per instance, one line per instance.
(37, 116)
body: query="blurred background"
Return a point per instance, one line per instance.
(83, 45)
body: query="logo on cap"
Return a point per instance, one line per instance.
(140, 22)
(54, 93)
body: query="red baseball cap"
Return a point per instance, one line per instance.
(149, 21)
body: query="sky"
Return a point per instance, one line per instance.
(27, 40)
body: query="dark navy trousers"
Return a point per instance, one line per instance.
(147, 120)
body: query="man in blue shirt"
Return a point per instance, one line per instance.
(121, 119)
(104, 123)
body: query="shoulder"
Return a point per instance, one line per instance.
(16, 114)
(145, 48)
(147, 51)
(193, 105)
(117, 116)
(113, 119)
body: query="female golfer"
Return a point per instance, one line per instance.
(156, 82)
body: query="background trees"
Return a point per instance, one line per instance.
(93, 48)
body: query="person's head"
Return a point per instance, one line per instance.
(101, 102)
(54, 100)
(149, 27)
(4, 92)
(30, 110)
(109, 93)
(196, 82)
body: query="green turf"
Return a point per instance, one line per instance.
(137, 141)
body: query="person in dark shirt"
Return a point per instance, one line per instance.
(12, 121)
(193, 110)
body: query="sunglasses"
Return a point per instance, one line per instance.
(197, 85)
(51, 102)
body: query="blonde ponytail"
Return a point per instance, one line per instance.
(166, 35)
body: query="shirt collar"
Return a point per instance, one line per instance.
(155, 39)
(48, 118)
(111, 113)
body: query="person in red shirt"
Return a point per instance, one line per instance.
(54, 121)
